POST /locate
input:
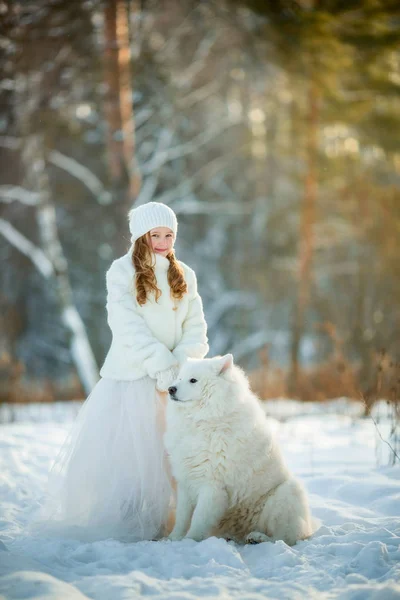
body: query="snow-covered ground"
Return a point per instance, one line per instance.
(354, 555)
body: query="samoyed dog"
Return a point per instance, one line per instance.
(231, 479)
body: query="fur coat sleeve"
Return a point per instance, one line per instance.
(130, 327)
(194, 341)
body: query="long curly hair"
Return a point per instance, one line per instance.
(145, 279)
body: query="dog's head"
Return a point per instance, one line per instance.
(205, 382)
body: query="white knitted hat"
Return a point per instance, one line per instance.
(148, 216)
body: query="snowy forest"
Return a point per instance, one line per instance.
(271, 129)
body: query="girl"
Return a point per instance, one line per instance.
(111, 477)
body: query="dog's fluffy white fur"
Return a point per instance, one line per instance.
(231, 478)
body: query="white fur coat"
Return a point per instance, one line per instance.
(151, 338)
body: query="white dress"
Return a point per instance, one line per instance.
(111, 478)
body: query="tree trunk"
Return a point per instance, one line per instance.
(29, 90)
(126, 99)
(306, 236)
(115, 150)
(119, 100)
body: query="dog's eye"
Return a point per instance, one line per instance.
(193, 380)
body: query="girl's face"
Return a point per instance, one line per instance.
(161, 240)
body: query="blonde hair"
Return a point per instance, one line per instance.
(145, 279)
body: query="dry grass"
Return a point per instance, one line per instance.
(17, 388)
(337, 378)
(333, 378)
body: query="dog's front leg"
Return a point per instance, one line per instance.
(184, 510)
(211, 506)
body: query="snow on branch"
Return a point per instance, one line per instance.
(80, 347)
(82, 173)
(9, 193)
(35, 254)
(192, 206)
(205, 173)
(186, 148)
(256, 341)
(7, 84)
(171, 44)
(143, 116)
(225, 303)
(73, 167)
(199, 95)
(187, 76)
(150, 183)
(10, 142)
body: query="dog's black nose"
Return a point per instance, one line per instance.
(172, 390)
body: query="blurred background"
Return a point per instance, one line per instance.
(272, 130)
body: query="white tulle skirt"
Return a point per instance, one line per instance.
(111, 477)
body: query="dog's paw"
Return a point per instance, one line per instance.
(197, 537)
(256, 537)
(174, 537)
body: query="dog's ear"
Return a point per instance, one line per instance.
(224, 363)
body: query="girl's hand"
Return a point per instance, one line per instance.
(166, 378)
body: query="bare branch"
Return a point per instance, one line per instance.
(395, 455)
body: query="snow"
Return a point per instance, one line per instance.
(354, 555)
